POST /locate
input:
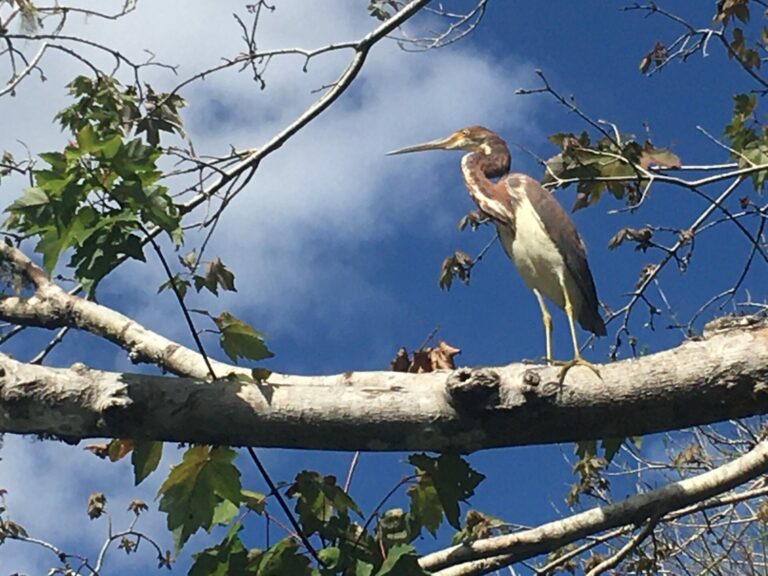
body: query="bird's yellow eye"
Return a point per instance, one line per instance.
(465, 132)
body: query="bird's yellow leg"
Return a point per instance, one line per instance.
(547, 319)
(577, 359)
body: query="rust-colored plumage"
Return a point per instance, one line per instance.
(537, 234)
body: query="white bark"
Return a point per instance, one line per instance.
(722, 376)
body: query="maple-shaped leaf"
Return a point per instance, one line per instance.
(454, 480)
(317, 497)
(196, 487)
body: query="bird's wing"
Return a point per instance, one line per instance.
(568, 242)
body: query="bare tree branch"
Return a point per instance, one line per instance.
(489, 554)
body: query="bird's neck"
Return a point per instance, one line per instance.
(491, 160)
(479, 168)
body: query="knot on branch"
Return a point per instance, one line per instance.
(474, 390)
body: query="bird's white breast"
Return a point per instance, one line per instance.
(533, 252)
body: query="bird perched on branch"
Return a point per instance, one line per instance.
(536, 233)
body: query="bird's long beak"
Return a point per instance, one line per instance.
(439, 144)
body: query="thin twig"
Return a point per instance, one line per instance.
(281, 501)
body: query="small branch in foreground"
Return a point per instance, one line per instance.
(287, 511)
(493, 553)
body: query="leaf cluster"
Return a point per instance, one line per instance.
(748, 137)
(607, 164)
(97, 197)
(204, 490)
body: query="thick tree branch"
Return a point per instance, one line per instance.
(722, 376)
(52, 307)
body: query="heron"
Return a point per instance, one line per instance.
(535, 231)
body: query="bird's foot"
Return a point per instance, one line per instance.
(578, 361)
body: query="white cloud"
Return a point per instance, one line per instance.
(330, 191)
(291, 236)
(48, 485)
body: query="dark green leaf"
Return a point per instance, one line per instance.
(401, 560)
(454, 480)
(610, 447)
(239, 340)
(181, 284)
(282, 559)
(255, 501)
(119, 448)
(260, 374)
(228, 558)
(145, 458)
(321, 504)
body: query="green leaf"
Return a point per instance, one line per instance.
(755, 154)
(330, 557)
(282, 559)
(610, 447)
(255, 501)
(145, 459)
(228, 558)
(56, 160)
(317, 498)
(181, 284)
(224, 512)
(86, 139)
(454, 480)
(363, 568)
(32, 197)
(426, 508)
(119, 448)
(50, 246)
(239, 340)
(401, 560)
(260, 374)
(394, 527)
(195, 487)
(561, 137)
(110, 147)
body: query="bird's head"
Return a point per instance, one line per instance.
(471, 139)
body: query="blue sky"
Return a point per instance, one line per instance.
(337, 248)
